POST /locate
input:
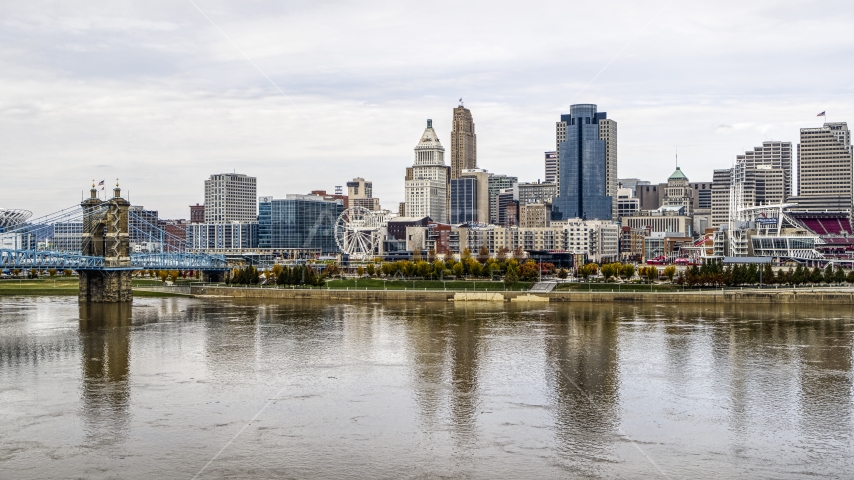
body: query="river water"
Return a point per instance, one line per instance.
(212, 388)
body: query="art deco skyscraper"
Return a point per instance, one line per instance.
(426, 188)
(463, 142)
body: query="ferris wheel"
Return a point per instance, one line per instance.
(357, 232)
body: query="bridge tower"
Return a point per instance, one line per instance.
(105, 234)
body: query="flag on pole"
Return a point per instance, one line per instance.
(821, 114)
(101, 183)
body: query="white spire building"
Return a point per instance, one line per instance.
(426, 190)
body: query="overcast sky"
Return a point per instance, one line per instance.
(159, 96)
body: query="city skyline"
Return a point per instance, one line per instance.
(157, 96)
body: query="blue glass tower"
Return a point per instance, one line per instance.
(298, 221)
(464, 200)
(583, 192)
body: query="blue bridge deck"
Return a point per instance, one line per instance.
(46, 259)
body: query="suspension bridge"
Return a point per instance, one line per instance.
(94, 239)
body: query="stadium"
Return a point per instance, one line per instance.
(12, 217)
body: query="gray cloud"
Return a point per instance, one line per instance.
(153, 94)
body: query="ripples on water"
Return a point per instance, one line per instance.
(422, 390)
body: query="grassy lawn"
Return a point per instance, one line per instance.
(455, 285)
(39, 286)
(61, 285)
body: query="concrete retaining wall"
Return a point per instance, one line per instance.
(788, 296)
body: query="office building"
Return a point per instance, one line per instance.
(470, 197)
(627, 204)
(298, 222)
(498, 183)
(552, 172)
(338, 195)
(197, 213)
(588, 165)
(463, 142)
(665, 219)
(678, 192)
(230, 197)
(720, 197)
(774, 154)
(427, 181)
(68, 236)
(360, 193)
(222, 237)
(536, 192)
(143, 226)
(508, 207)
(463, 200)
(702, 195)
(631, 183)
(482, 204)
(535, 215)
(825, 168)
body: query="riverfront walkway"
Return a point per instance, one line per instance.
(825, 296)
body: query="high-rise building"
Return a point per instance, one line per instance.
(426, 188)
(298, 222)
(497, 183)
(825, 168)
(230, 197)
(560, 137)
(678, 192)
(535, 215)
(720, 197)
(588, 165)
(470, 197)
(774, 154)
(463, 142)
(143, 226)
(536, 192)
(360, 193)
(552, 172)
(67, 236)
(702, 195)
(464, 200)
(508, 207)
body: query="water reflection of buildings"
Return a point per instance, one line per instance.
(446, 353)
(582, 369)
(105, 351)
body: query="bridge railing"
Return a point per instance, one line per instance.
(41, 259)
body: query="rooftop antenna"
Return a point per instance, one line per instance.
(677, 158)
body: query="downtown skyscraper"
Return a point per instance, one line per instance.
(463, 142)
(825, 168)
(427, 183)
(587, 150)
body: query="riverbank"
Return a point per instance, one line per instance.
(69, 286)
(803, 295)
(824, 296)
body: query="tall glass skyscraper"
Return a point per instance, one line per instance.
(585, 157)
(464, 200)
(298, 221)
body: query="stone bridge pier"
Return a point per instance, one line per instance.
(105, 234)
